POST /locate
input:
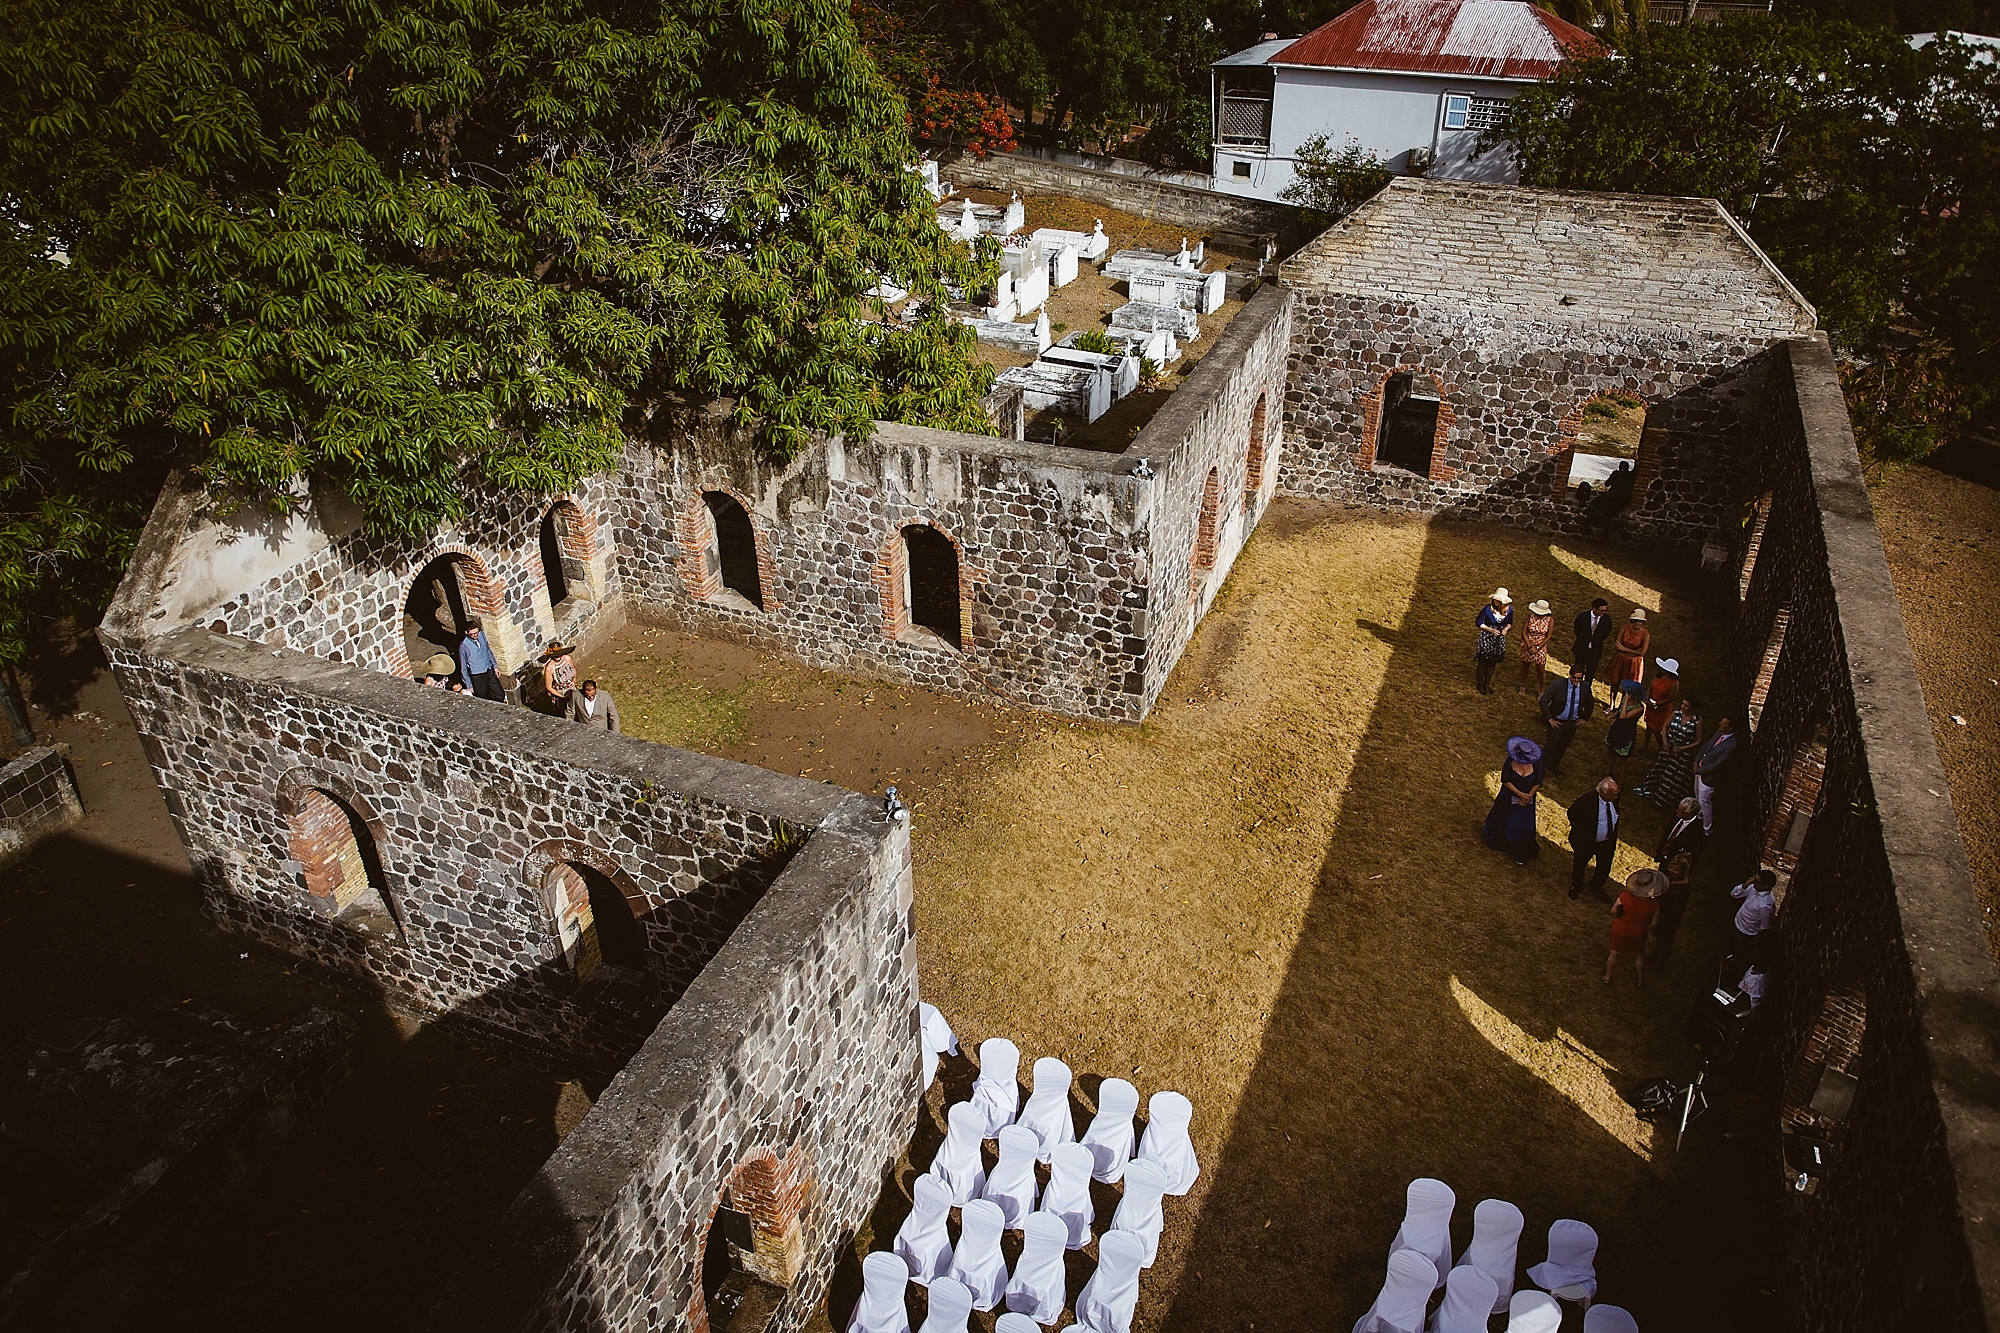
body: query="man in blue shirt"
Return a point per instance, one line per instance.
(1565, 704)
(476, 666)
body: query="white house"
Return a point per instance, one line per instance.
(1411, 81)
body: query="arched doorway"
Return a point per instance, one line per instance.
(735, 547)
(552, 559)
(933, 583)
(755, 1246)
(1208, 522)
(340, 863)
(435, 613)
(1253, 457)
(594, 920)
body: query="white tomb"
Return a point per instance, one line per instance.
(1150, 315)
(1075, 391)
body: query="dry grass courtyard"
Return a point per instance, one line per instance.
(1271, 897)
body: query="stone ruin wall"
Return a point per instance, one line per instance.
(787, 1076)
(1514, 393)
(1878, 926)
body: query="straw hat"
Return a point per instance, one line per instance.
(1647, 883)
(1638, 613)
(1501, 595)
(558, 649)
(1668, 665)
(440, 665)
(1540, 607)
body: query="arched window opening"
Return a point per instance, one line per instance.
(553, 572)
(1821, 1087)
(1798, 802)
(1253, 459)
(1758, 518)
(733, 558)
(340, 863)
(436, 612)
(1408, 431)
(932, 583)
(1207, 525)
(1774, 648)
(755, 1246)
(594, 920)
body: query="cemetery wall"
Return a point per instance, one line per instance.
(1879, 918)
(782, 1086)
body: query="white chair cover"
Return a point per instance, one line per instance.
(1495, 1247)
(1012, 1183)
(1036, 1289)
(1139, 1211)
(884, 1276)
(1427, 1224)
(950, 1308)
(1106, 1302)
(1068, 1194)
(995, 1094)
(1572, 1260)
(977, 1261)
(1018, 1323)
(1047, 1111)
(1406, 1291)
(1166, 1142)
(938, 1039)
(922, 1241)
(1609, 1319)
(958, 1163)
(1533, 1312)
(1467, 1304)
(1109, 1137)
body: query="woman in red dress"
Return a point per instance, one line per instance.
(1632, 917)
(1660, 700)
(1629, 649)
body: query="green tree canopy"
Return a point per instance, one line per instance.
(406, 246)
(1868, 169)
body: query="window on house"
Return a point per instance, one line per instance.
(735, 548)
(1457, 107)
(1241, 169)
(933, 583)
(1410, 406)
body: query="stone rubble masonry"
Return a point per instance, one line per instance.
(1522, 306)
(37, 798)
(1880, 906)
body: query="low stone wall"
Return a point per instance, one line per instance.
(1879, 922)
(1232, 222)
(37, 797)
(782, 1086)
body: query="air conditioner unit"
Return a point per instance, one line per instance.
(1423, 159)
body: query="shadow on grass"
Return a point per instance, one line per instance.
(1441, 1012)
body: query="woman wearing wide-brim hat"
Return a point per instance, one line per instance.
(1660, 691)
(1628, 652)
(1535, 632)
(558, 675)
(1493, 621)
(438, 672)
(1632, 917)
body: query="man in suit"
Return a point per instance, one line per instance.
(1564, 704)
(1592, 628)
(1715, 755)
(1683, 834)
(593, 707)
(1593, 832)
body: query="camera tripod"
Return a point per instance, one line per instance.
(1694, 1100)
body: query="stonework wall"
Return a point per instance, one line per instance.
(1879, 908)
(1513, 392)
(785, 1078)
(37, 797)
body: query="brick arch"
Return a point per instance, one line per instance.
(1371, 422)
(772, 1191)
(891, 578)
(1208, 522)
(544, 857)
(320, 810)
(1645, 464)
(485, 596)
(695, 539)
(576, 540)
(564, 899)
(1253, 454)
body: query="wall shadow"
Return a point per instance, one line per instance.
(1442, 1014)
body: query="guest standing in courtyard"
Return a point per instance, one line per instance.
(1628, 652)
(593, 707)
(1660, 699)
(476, 666)
(1593, 835)
(1535, 632)
(1592, 628)
(1631, 917)
(1493, 621)
(558, 676)
(1683, 833)
(1679, 871)
(1672, 777)
(1565, 705)
(1510, 824)
(1709, 763)
(1622, 735)
(1759, 894)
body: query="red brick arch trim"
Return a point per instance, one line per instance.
(1253, 455)
(485, 596)
(1645, 466)
(544, 857)
(891, 578)
(775, 1192)
(293, 798)
(1371, 423)
(694, 538)
(578, 539)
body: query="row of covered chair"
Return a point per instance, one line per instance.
(1480, 1282)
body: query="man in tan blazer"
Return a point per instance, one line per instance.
(593, 707)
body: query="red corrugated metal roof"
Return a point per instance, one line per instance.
(1496, 39)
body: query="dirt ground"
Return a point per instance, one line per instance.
(1940, 523)
(1271, 897)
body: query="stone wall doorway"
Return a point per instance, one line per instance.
(434, 616)
(933, 583)
(594, 920)
(1410, 407)
(340, 864)
(735, 547)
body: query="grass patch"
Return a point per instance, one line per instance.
(658, 700)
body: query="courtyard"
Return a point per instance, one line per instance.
(1271, 896)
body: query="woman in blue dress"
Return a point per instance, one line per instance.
(1493, 621)
(1510, 824)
